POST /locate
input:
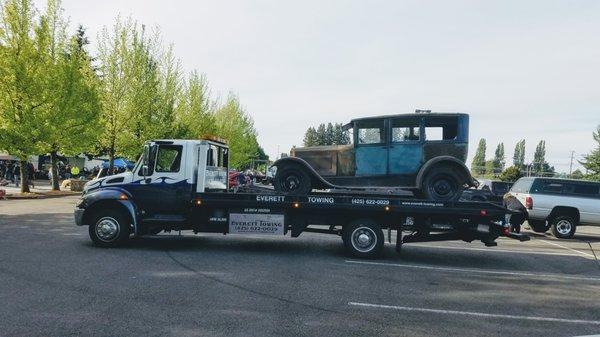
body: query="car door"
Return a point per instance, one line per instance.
(371, 147)
(165, 188)
(406, 146)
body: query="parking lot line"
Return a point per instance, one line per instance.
(478, 271)
(496, 250)
(474, 314)
(567, 248)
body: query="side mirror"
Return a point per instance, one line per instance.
(145, 170)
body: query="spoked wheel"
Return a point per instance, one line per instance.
(363, 238)
(292, 180)
(442, 184)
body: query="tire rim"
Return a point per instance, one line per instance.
(291, 182)
(363, 239)
(563, 227)
(107, 229)
(442, 188)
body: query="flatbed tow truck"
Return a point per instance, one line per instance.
(183, 185)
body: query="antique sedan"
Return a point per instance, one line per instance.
(422, 152)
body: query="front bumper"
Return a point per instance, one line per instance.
(79, 216)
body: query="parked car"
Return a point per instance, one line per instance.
(558, 204)
(487, 190)
(425, 153)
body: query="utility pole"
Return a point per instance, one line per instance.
(571, 165)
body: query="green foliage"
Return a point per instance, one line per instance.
(577, 174)
(591, 161)
(234, 124)
(519, 154)
(499, 159)
(478, 164)
(326, 134)
(195, 111)
(511, 174)
(26, 80)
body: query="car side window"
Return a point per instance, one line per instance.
(370, 132)
(405, 130)
(168, 158)
(445, 128)
(582, 189)
(552, 187)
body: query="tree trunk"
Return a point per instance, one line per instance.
(54, 169)
(24, 176)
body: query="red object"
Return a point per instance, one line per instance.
(2, 193)
(483, 212)
(529, 202)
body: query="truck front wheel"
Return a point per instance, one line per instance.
(109, 228)
(292, 180)
(363, 238)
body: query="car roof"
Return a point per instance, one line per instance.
(566, 180)
(408, 115)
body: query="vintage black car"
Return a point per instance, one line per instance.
(423, 152)
(487, 190)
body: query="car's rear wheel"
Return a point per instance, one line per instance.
(442, 184)
(564, 226)
(292, 180)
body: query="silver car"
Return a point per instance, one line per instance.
(557, 204)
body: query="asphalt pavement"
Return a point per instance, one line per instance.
(54, 282)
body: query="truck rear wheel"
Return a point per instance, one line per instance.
(563, 227)
(538, 226)
(109, 228)
(363, 238)
(442, 184)
(292, 180)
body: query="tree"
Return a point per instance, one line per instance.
(73, 102)
(341, 137)
(24, 82)
(195, 111)
(511, 174)
(478, 164)
(577, 174)
(591, 161)
(499, 160)
(519, 155)
(539, 158)
(234, 124)
(321, 138)
(329, 135)
(310, 137)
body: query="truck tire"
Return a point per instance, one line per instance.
(442, 184)
(109, 228)
(563, 226)
(538, 226)
(292, 179)
(363, 238)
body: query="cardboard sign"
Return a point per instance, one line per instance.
(248, 223)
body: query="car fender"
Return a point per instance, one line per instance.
(316, 178)
(439, 160)
(112, 194)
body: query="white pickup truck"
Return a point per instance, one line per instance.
(557, 204)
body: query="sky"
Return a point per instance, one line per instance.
(521, 69)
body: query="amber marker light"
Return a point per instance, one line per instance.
(387, 208)
(123, 196)
(296, 205)
(198, 202)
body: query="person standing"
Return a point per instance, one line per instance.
(74, 171)
(30, 174)
(16, 174)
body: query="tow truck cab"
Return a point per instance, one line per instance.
(161, 184)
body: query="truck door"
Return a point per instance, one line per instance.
(371, 147)
(406, 147)
(165, 189)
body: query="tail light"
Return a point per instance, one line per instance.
(529, 202)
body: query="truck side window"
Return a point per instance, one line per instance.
(370, 132)
(403, 130)
(168, 158)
